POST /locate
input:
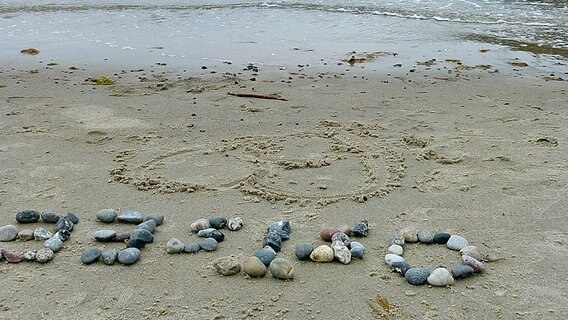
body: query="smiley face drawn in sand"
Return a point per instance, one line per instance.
(332, 162)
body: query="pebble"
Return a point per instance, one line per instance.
(199, 224)
(136, 243)
(8, 233)
(149, 225)
(54, 243)
(218, 222)
(471, 251)
(409, 234)
(191, 247)
(158, 218)
(396, 239)
(254, 267)
(392, 258)
(345, 228)
(360, 229)
(235, 224)
(456, 242)
(142, 234)
(13, 256)
(400, 267)
(41, 234)
(211, 233)
(323, 253)
(440, 277)
(104, 235)
(209, 244)
(303, 250)
(44, 255)
(73, 218)
(273, 240)
(64, 223)
(477, 265)
(63, 234)
(107, 215)
(357, 250)
(122, 236)
(342, 237)
(128, 256)
(425, 236)
(90, 255)
(109, 256)
(417, 276)
(281, 268)
(462, 271)
(131, 216)
(227, 266)
(441, 237)
(327, 233)
(341, 252)
(30, 255)
(27, 216)
(396, 249)
(174, 246)
(49, 217)
(266, 255)
(282, 227)
(26, 234)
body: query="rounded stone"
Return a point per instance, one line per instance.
(456, 242)
(357, 250)
(13, 256)
(129, 255)
(136, 243)
(396, 239)
(107, 215)
(158, 218)
(54, 243)
(63, 234)
(29, 255)
(71, 217)
(409, 234)
(425, 236)
(209, 244)
(90, 255)
(27, 216)
(303, 250)
(471, 251)
(417, 276)
(8, 233)
(392, 258)
(441, 237)
(218, 222)
(266, 255)
(199, 224)
(44, 255)
(211, 233)
(104, 235)
(121, 237)
(227, 266)
(192, 247)
(254, 267)
(235, 223)
(477, 265)
(400, 267)
(149, 225)
(40, 234)
(63, 223)
(340, 236)
(131, 216)
(26, 235)
(360, 229)
(327, 233)
(109, 256)
(440, 277)
(341, 252)
(281, 268)
(462, 271)
(142, 234)
(396, 249)
(49, 217)
(323, 253)
(174, 246)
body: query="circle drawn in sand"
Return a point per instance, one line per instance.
(332, 162)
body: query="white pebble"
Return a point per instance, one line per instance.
(396, 249)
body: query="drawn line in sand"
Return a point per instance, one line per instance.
(330, 163)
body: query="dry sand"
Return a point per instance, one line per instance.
(476, 153)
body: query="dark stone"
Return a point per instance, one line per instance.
(273, 240)
(283, 228)
(462, 271)
(64, 223)
(104, 235)
(216, 234)
(156, 217)
(400, 267)
(303, 250)
(149, 225)
(90, 255)
(266, 255)
(441, 237)
(63, 234)
(136, 243)
(49, 217)
(27, 216)
(218, 222)
(361, 229)
(142, 234)
(73, 218)
(122, 236)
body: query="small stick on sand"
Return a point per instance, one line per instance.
(273, 96)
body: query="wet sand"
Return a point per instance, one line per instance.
(472, 151)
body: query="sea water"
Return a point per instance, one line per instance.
(279, 33)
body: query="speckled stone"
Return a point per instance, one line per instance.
(128, 256)
(131, 216)
(44, 255)
(471, 251)
(360, 229)
(396, 239)
(227, 266)
(54, 243)
(158, 218)
(462, 271)
(209, 244)
(26, 235)
(440, 277)
(104, 235)
(174, 246)
(8, 233)
(191, 247)
(341, 252)
(400, 267)
(456, 242)
(323, 253)
(149, 225)
(107, 215)
(425, 236)
(254, 267)
(281, 268)
(63, 223)
(392, 258)
(235, 223)
(266, 255)
(27, 216)
(29, 255)
(63, 234)
(218, 222)
(49, 217)
(90, 255)
(303, 250)
(40, 234)
(396, 249)
(441, 237)
(109, 256)
(417, 276)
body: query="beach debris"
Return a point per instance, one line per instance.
(102, 80)
(227, 266)
(270, 96)
(283, 269)
(430, 62)
(484, 50)
(517, 63)
(254, 267)
(552, 78)
(367, 56)
(30, 51)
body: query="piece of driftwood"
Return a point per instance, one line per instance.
(273, 96)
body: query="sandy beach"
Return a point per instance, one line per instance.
(440, 146)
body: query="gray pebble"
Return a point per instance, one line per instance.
(49, 217)
(142, 234)
(417, 276)
(266, 255)
(27, 216)
(128, 255)
(90, 255)
(425, 236)
(40, 234)
(462, 271)
(8, 233)
(109, 256)
(135, 243)
(44, 255)
(158, 218)
(396, 239)
(209, 244)
(174, 246)
(54, 243)
(131, 216)
(104, 235)
(303, 250)
(441, 237)
(192, 247)
(107, 215)
(149, 225)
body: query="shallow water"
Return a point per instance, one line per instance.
(280, 33)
